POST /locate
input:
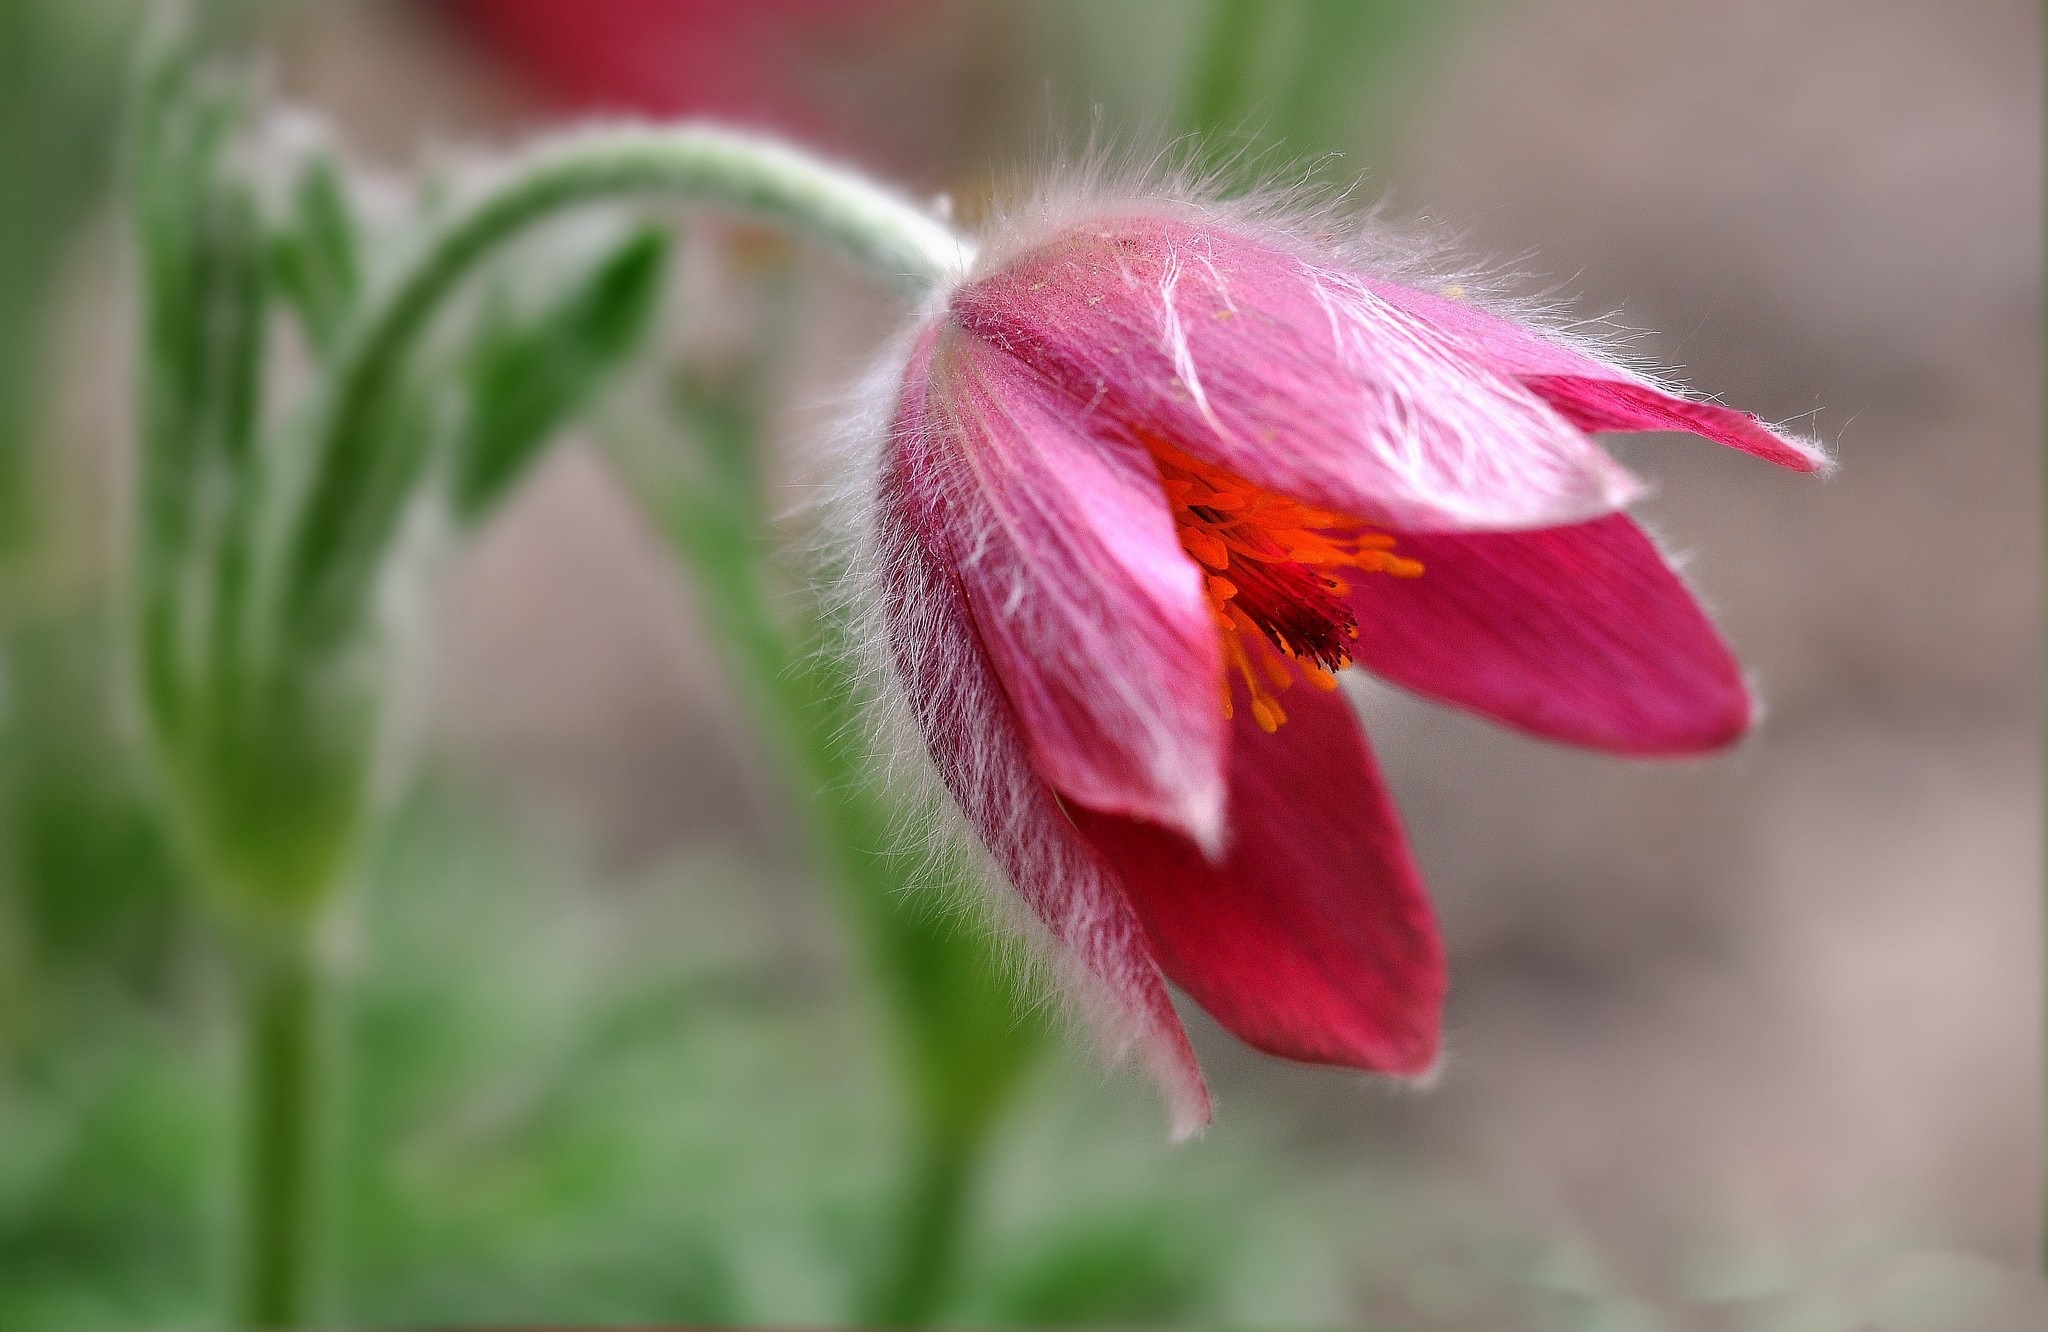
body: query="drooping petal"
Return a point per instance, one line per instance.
(1581, 634)
(1591, 393)
(972, 734)
(1314, 938)
(1291, 374)
(1092, 615)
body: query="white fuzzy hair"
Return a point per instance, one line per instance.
(1302, 208)
(1072, 964)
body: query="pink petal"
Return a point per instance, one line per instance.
(1290, 373)
(972, 734)
(1590, 393)
(1314, 938)
(1091, 613)
(1581, 634)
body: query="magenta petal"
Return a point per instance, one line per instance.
(1590, 393)
(1314, 938)
(971, 732)
(1290, 373)
(1613, 404)
(1092, 615)
(1581, 634)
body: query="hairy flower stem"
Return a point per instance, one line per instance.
(287, 1076)
(883, 232)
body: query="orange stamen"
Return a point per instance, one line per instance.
(1281, 609)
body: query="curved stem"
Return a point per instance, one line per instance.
(879, 229)
(697, 164)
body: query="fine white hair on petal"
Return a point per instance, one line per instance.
(1431, 416)
(1103, 597)
(1082, 962)
(1305, 209)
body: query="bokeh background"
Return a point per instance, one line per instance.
(1753, 1043)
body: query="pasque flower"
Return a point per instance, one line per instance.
(1154, 476)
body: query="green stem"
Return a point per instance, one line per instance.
(285, 1080)
(1219, 93)
(884, 232)
(930, 1227)
(964, 1037)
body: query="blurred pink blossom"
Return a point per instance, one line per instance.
(744, 61)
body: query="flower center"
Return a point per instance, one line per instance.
(1269, 564)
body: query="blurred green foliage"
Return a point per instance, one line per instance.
(58, 63)
(88, 893)
(648, 1103)
(1308, 77)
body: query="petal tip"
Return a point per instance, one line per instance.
(1717, 731)
(1189, 1122)
(1619, 488)
(1426, 1076)
(1808, 455)
(1189, 1108)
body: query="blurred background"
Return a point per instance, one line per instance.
(1751, 1044)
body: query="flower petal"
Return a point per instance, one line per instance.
(972, 734)
(1581, 634)
(1591, 393)
(1290, 373)
(1314, 938)
(1093, 616)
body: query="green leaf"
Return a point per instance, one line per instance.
(206, 298)
(527, 379)
(351, 542)
(315, 258)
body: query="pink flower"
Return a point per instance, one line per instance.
(1152, 480)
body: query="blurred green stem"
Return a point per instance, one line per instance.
(963, 1036)
(1219, 91)
(807, 698)
(887, 234)
(932, 1225)
(286, 1072)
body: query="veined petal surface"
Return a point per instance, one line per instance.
(1591, 393)
(1291, 373)
(1313, 938)
(1581, 634)
(1092, 615)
